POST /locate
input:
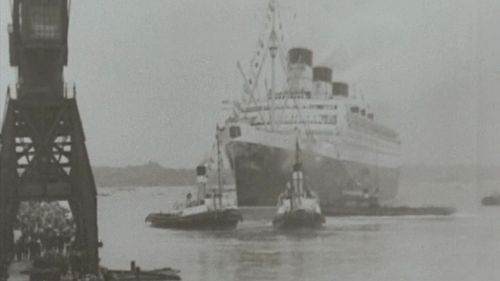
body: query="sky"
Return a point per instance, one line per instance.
(151, 75)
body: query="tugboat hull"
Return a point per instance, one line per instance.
(491, 201)
(220, 219)
(298, 219)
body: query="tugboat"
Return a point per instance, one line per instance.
(492, 200)
(298, 205)
(210, 209)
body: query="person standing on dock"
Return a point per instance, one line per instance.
(4, 266)
(74, 264)
(35, 248)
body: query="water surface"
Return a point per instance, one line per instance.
(465, 246)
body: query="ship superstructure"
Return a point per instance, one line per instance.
(347, 154)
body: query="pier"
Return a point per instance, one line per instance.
(26, 271)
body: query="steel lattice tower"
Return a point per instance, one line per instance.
(43, 154)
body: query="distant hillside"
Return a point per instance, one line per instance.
(153, 174)
(150, 174)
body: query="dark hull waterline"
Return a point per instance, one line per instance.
(207, 220)
(298, 219)
(389, 211)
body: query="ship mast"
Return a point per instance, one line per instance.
(219, 165)
(297, 175)
(272, 41)
(273, 51)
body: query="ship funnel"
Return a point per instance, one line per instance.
(201, 170)
(300, 56)
(321, 73)
(201, 174)
(201, 179)
(300, 61)
(322, 81)
(340, 89)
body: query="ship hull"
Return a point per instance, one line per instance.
(298, 219)
(206, 220)
(261, 173)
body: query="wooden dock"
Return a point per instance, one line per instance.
(20, 271)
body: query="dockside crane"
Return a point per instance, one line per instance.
(43, 156)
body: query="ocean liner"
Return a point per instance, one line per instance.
(347, 154)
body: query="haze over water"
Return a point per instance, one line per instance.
(460, 247)
(155, 72)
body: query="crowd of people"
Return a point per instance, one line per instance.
(44, 232)
(43, 228)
